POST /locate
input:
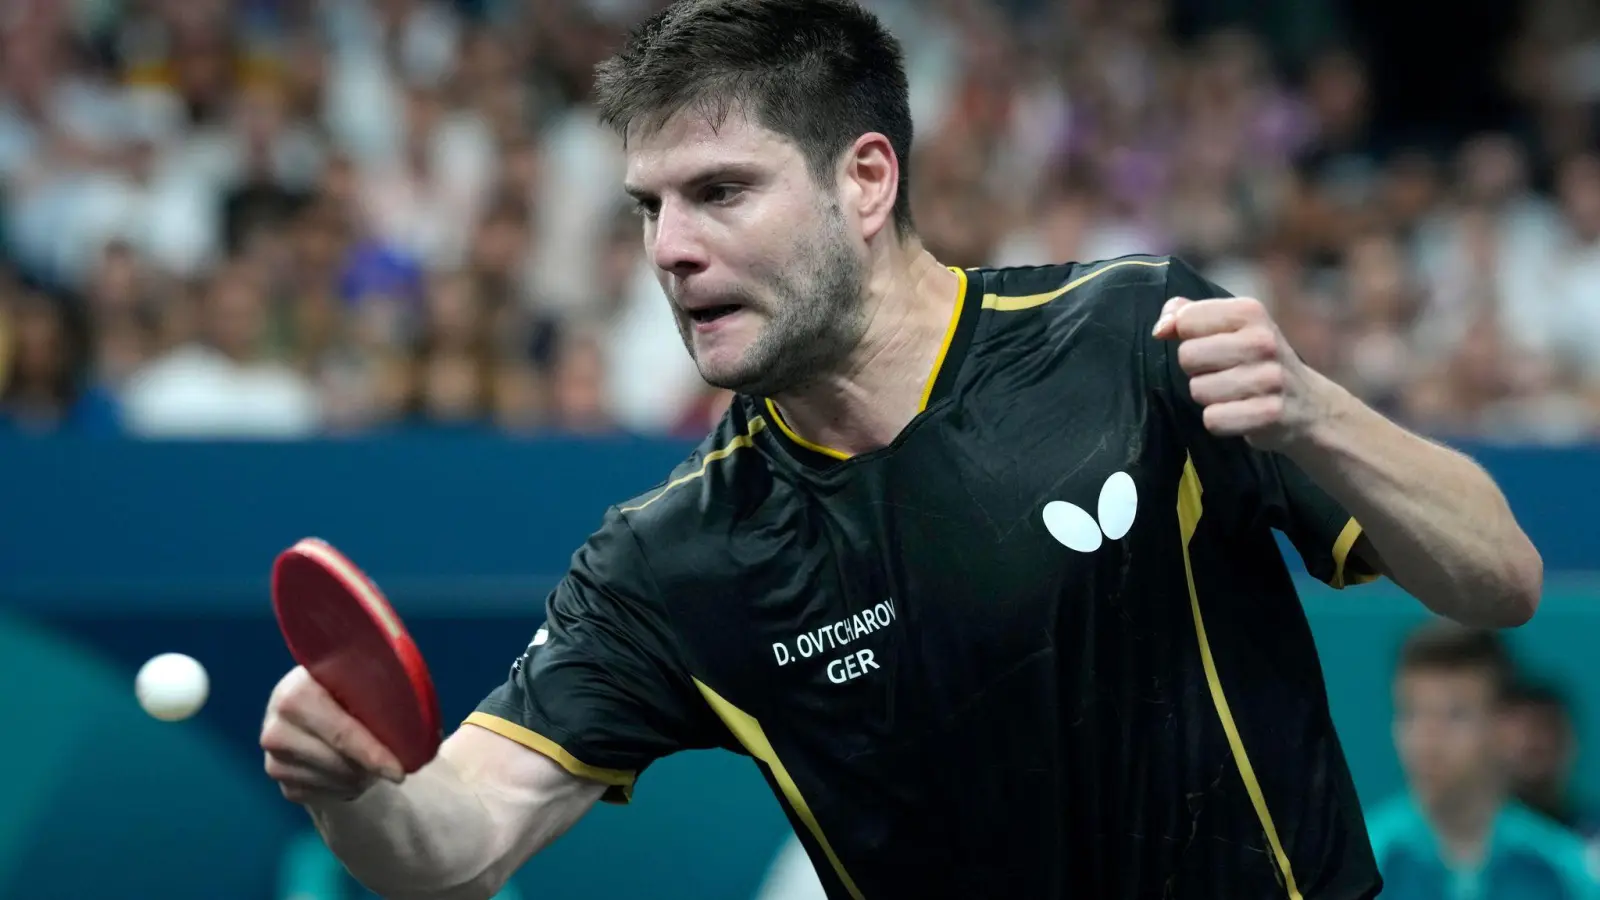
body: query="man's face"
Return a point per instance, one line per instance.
(765, 275)
(1444, 729)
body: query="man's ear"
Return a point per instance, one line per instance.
(869, 177)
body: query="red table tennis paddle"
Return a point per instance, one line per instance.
(341, 628)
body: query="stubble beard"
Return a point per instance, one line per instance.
(815, 320)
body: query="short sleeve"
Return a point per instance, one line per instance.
(1253, 488)
(601, 689)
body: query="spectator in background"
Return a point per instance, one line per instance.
(224, 381)
(119, 299)
(1541, 750)
(1457, 832)
(45, 387)
(464, 376)
(1443, 270)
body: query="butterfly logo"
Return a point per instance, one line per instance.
(1076, 529)
(539, 638)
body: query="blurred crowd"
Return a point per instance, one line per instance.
(279, 218)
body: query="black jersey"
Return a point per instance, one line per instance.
(1042, 645)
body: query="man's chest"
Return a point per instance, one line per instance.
(909, 587)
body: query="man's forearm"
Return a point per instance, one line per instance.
(429, 837)
(1441, 527)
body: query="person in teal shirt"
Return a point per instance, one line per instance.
(1456, 834)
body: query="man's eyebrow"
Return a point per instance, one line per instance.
(702, 178)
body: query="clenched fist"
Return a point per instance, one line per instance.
(1241, 370)
(316, 751)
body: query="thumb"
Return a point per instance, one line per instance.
(1167, 322)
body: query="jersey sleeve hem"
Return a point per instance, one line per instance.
(1345, 575)
(619, 783)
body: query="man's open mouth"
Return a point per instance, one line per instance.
(712, 313)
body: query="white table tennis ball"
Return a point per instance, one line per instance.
(172, 687)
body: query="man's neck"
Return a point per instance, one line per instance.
(880, 388)
(1463, 825)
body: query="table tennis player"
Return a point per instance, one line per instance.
(979, 566)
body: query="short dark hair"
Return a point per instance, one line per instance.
(1447, 647)
(819, 72)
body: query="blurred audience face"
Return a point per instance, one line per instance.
(1539, 752)
(1445, 730)
(114, 285)
(1493, 169)
(1338, 93)
(40, 356)
(452, 388)
(522, 168)
(578, 389)
(503, 240)
(236, 314)
(521, 399)
(320, 237)
(1579, 190)
(122, 343)
(765, 274)
(455, 314)
(1379, 283)
(340, 187)
(1410, 189)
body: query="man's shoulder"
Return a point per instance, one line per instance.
(717, 480)
(1116, 282)
(1122, 295)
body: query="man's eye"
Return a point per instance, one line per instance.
(646, 209)
(721, 193)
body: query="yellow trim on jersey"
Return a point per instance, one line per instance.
(1341, 553)
(743, 440)
(949, 338)
(1013, 304)
(535, 741)
(777, 418)
(1189, 511)
(927, 387)
(754, 739)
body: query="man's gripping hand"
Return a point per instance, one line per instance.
(1242, 372)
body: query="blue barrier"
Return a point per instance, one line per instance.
(93, 522)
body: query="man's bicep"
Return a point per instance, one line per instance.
(530, 798)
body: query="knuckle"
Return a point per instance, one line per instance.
(344, 738)
(1262, 342)
(277, 769)
(288, 684)
(1188, 355)
(288, 703)
(1272, 379)
(1247, 308)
